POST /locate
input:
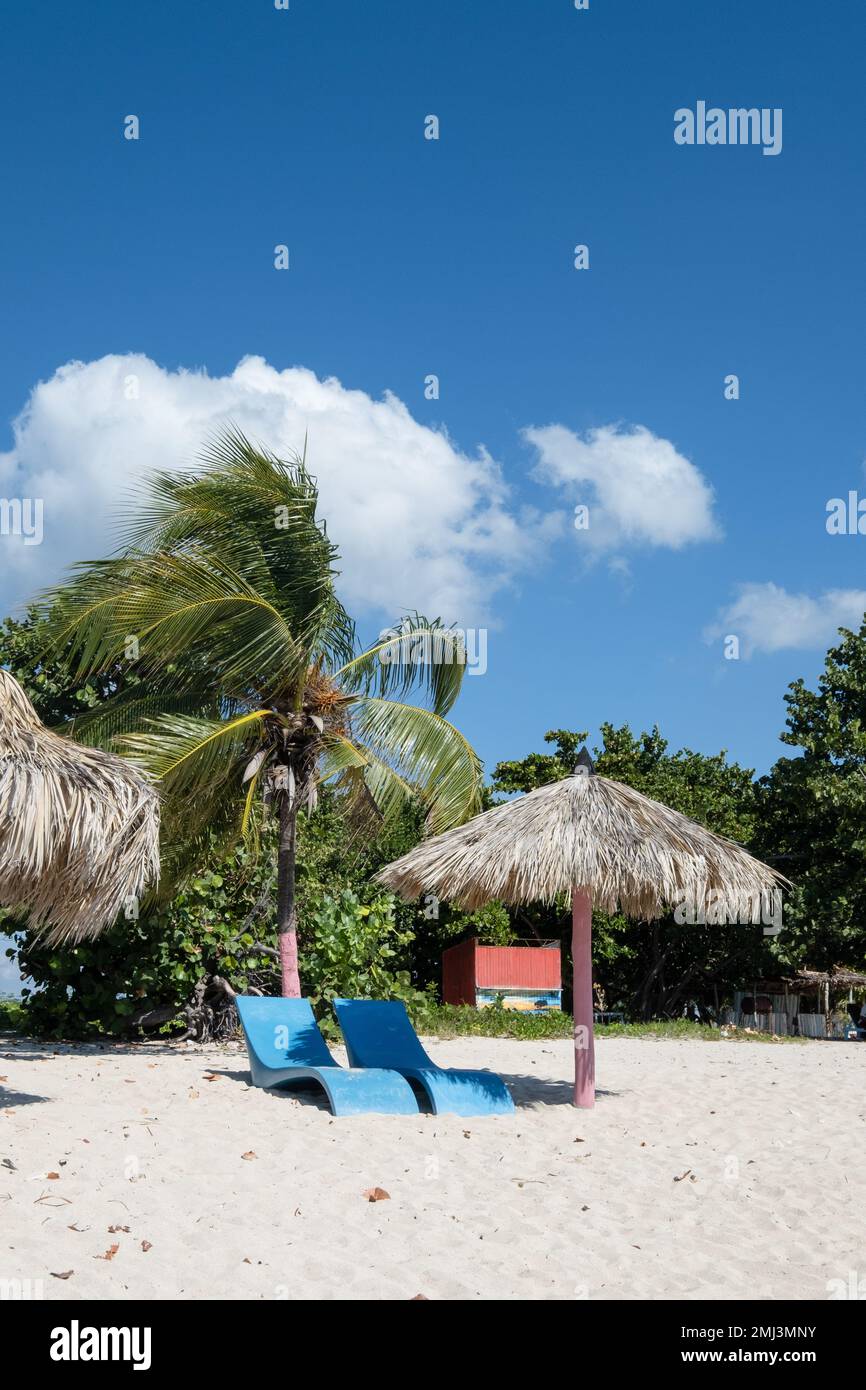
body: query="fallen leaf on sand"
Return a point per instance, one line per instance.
(467, 1134)
(580, 1141)
(52, 1177)
(250, 1153)
(212, 1076)
(7, 1163)
(683, 1175)
(109, 1254)
(113, 1230)
(80, 1229)
(65, 1275)
(146, 1245)
(129, 1080)
(377, 1194)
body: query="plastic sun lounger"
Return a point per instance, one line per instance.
(285, 1045)
(378, 1033)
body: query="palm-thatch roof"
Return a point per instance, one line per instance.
(584, 832)
(79, 828)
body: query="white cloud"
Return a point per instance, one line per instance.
(767, 618)
(418, 522)
(639, 489)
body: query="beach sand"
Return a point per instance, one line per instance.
(218, 1190)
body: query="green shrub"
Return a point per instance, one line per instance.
(11, 1016)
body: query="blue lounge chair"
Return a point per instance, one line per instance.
(285, 1045)
(378, 1033)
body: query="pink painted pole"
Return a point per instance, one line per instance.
(581, 955)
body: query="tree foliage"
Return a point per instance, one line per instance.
(813, 813)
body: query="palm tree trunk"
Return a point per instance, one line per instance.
(287, 918)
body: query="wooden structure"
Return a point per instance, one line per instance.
(527, 978)
(797, 1005)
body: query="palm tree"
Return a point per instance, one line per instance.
(252, 690)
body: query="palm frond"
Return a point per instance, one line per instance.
(259, 512)
(415, 654)
(194, 759)
(427, 752)
(368, 780)
(192, 606)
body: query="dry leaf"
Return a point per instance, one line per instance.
(80, 1229)
(113, 1230)
(109, 1254)
(65, 1275)
(683, 1175)
(52, 1177)
(250, 1153)
(212, 1076)
(377, 1194)
(146, 1245)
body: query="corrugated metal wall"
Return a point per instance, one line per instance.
(518, 967)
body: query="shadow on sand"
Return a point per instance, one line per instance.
(527, 1092)
(9, 1097)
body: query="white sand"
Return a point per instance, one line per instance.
(506, 1207)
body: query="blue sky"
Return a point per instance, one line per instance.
(408, 257)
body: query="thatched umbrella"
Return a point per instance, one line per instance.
(79, 828)
(603, 843)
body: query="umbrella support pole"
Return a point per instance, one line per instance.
(584, 1044)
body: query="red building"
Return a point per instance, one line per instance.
(524, 977)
